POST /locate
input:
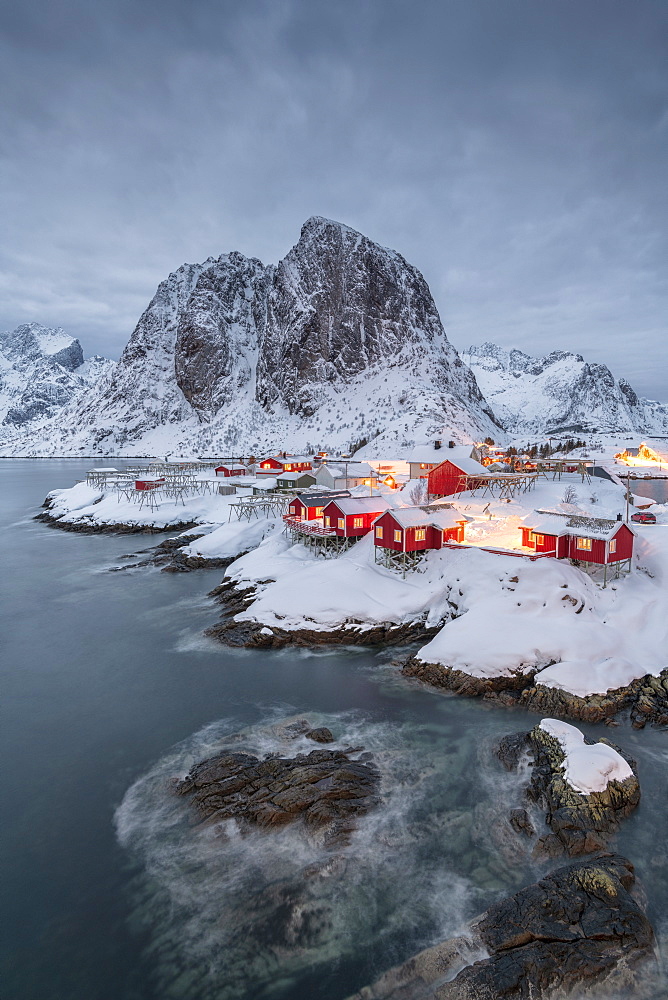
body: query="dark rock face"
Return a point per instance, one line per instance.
(651, 702)
(577, 927)
(219, 331)
(580, 824)
(325, 788)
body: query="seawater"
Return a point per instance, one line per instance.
(110, 691)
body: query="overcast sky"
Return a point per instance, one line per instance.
(516, 151)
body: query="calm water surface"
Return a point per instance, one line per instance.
(109, 689)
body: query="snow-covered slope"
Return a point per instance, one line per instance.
(560, 393)
(41, 370)
(338, 345)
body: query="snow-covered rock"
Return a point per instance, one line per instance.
(560, 392)
(338, 346)
(42, 369)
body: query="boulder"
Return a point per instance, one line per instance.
(325, 789)
(581, 823)
(577, 927)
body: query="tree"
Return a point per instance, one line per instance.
(418, 494)
(570, 495)
(489, 441)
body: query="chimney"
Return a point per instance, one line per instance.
(437, 445)
(619, 517)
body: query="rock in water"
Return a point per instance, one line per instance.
(325, 789)
(581, 822)
(577, 927)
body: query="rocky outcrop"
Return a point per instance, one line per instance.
(645, 697)
(580, 823)
(325, 789)
(578, 927)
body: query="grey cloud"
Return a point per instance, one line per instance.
(515, 152)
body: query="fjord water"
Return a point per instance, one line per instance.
(109, 690)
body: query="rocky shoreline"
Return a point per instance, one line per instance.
(118, 528)
(253, 635)
(646, 698)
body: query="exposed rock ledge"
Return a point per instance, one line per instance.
(580, 823)
(577, 927)
(646, 697)
(325, 789)
(350, 633)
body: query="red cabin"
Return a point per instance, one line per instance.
(230, 470)
(454, 475)
(276, 464)
(310, 506)
(149, 482)
(352, 517)
(413, 529)
(588, 539)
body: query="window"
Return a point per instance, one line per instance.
(379, 531)
(613, 545)
(341, 524)
(287, 468)
(358, 522)
(397, 536)
(327, 522)
(584, 544)
(422, 465)
(318, 511)
(420, 534)
(539, 539)
(293, 509)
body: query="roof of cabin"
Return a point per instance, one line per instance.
(463, 461)
(439, 515)
(317, 499)
(293, 476)
(434, 456)
(579, 527)
(361, 505)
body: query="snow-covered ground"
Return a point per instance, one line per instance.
(502, 614)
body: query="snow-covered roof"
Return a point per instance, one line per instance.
(315, 499)
(440, 516)
(432, 455)
(351, 470)
(594, 527)
(463, 461)
(294, 476)
(547, 524)
(360, 505)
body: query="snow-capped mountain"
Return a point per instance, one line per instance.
(338, 345)
(560, 393)
(41, 370)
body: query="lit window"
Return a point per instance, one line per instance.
(341, 524)
(613, 545)
(327, 522)
(293, 510)
(379, 531)
(422, 465)
(397, 536)
(583, 543)
(420, 534)
(287, 468)
(358, 522)
(540, 539)
(318, 511)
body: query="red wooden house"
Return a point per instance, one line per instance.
(352, 517)
(149, 482)
(310, 506)
(230, 470)
(456, 473)
(277, 464)
(415, 529)
(594, 540)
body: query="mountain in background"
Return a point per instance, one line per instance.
(42, 369)
(560, 393)
(339, 346)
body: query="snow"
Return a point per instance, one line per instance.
(53, 341)
(587, 768)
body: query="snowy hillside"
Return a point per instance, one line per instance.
(338, 345)
(560, 393)
(41, 370)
